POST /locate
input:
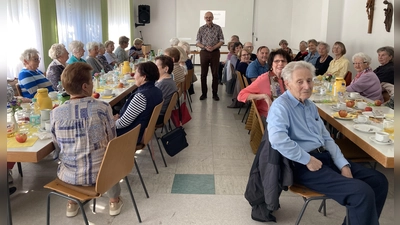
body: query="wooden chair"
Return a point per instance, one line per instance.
(148, 134)
(257, 129)
(188, 82)
(167, 116)
(117, 164)
(242, 85)
(309, 195)
(18, 89)
(348, 78)
(246, 83)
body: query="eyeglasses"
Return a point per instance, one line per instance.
(245, 54)
(278, 61)
(359, 63)
(36, 59)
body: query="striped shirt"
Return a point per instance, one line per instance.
(30, 81)
(81, 130)
(178, 73)
(135, 108)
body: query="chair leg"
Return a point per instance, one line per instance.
(48, 209)
(245, 113)
(347, 216)
(152, 158)
(133, 199)
(162, 155)
(94, 205)
(323, 206)
(20, 169)
(302, 212)
(190, 105)
(141, 179)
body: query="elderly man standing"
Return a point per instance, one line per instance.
(298, 133)
(209, 38)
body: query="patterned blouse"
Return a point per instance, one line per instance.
(81, 130)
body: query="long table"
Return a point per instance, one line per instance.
(42, 148)
(383, 154)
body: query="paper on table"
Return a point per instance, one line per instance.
(12, 143)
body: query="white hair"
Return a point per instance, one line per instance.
(362, 56)
(174, 41)
(75, 46)
(287, 72)
(91, 45)
(56, 50)
(185, 46)
(183, 55)
(28, 53)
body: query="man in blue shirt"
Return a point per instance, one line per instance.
(313, 54)
(298, 133)
(258, 66)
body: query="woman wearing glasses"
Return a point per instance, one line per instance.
(365, 82)
(30, 78)
(339, 66)
(268, 85)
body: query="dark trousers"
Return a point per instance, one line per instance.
(209, 59)
(364, 195)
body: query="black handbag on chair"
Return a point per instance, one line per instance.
(174, 141)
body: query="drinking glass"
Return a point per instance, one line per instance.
(388, 127)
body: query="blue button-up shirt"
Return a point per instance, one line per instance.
(295, 129)
(255, 69)
(311, 58)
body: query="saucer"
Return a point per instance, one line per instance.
(111, 95)
(372, 138)
(366, 128)
(336, 109)
(348, 117)
(357, 122)
(43, 130)
(371, 114)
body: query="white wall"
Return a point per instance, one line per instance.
(293, 20)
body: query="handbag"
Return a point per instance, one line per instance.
(174, 141)
(181, 115)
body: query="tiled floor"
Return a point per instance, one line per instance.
(203, 184)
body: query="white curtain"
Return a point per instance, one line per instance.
(79, 20)
(119, 23)
(23, 31)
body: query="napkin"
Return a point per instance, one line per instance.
(12, 143)
(108, 96)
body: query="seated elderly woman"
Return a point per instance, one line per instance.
(313, 54)
(303, 51)
(189, 64)
(268, 85)
(385, 71)
(339, 66)
(93, 48)
(76, 48)
(122, 56)
(179, 71)
(284, 45)
(59, 54)
(102, 59)
(140, 104)
(244, 56)
(365, 82)
(30, 79)
(322, 64)
(110, 56)
(165, 83)
(136, 50)
(82, 119)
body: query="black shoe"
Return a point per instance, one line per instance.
(215, 97)
(202, 97)
(12, 190)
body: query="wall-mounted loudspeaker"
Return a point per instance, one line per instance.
(144, 13)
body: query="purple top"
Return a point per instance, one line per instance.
(368, 85)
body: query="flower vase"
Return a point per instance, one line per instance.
(12, 125)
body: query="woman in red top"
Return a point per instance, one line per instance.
(268, 85)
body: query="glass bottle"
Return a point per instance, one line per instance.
(12, 126)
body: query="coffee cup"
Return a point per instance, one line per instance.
(107, 92)
(354, 95)
(361, 105)
(382, 136)
(47, 125)
(341, 106)
(45, 114)
(127, 76)
(362, 119)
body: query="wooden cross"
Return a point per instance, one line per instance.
(370, 13)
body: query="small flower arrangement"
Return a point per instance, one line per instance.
(329, 77)
(15, 105)
(97, 75)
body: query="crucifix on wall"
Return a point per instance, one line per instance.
(388, 15)
(370, 13)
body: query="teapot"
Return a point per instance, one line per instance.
(43, 99)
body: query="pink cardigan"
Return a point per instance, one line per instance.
(261, 85)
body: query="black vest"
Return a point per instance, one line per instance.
(153, 97)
